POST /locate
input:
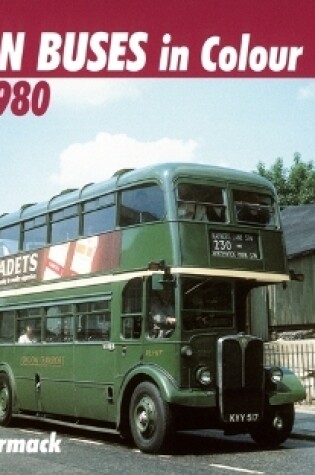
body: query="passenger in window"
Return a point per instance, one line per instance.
(216, 213)
(66, 333)
(262, 216)
(28, 335)
(201, 213)
(252, 214)
(162, 312)
(186, 211)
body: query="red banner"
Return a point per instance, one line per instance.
(157, 38)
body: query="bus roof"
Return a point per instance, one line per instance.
(161, 172)
(171, 171)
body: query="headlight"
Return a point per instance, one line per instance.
(275, 374)
(203, 375)
(186, 350)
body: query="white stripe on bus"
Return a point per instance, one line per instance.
(266, 277)
(259, 276)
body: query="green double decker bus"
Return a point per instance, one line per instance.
(124, 305)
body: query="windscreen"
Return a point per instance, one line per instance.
(206, 303)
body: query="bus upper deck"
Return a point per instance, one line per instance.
(101, 227)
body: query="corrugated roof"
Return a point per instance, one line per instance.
(299, 229)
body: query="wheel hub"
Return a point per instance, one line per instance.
(278, 423)
(4, 396)
(145, 416)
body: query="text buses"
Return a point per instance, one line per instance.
(124, 304)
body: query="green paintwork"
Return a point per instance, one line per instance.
(95, 379)
(154, 241)
(289, 390)
(169, 391)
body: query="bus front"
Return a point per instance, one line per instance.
(227, 241)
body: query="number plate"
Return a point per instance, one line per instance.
(234, 245)
(245, 417)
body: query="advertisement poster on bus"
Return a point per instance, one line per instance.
(80, 257)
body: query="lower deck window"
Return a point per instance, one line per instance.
(6, 327)
(29, 330)
(59, 323)
(93, 321)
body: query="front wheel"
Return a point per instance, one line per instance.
(275, 427)
(150, 418)
(5, 400)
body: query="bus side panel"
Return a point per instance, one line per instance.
(163, 353)
(93, 379)
(194, 245)
(25, 361)
(56, 390)
(144, 244)
(43, 377)
(274, 252)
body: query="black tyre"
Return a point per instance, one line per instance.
(5, 400)
(275, 427)
(150, 418)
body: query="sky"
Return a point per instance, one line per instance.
(94, 127)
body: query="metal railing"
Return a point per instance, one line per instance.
(299, 356)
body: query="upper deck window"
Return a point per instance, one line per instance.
(254, 208)
(201, 203)
(9, 240)
(64, 225)
(141, 204)
(34, 233)
(99, 215)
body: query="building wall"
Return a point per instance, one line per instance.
(293, 307)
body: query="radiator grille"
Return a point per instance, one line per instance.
(240, 376)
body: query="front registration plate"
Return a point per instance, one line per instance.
(245, 417)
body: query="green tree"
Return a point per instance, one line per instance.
(295, 185)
